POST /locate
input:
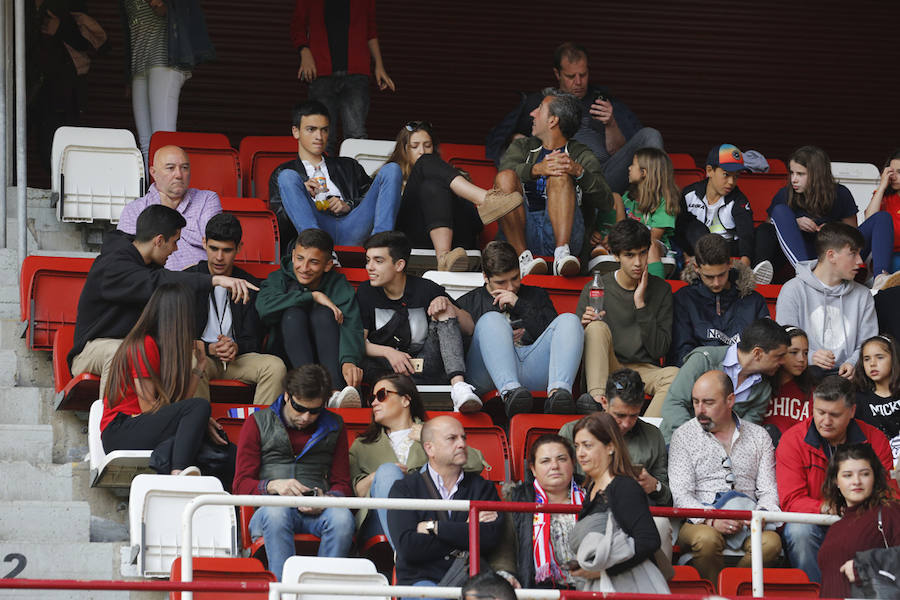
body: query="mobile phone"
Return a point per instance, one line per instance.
(311, 492)
(418, 364)
(517, 323)
(601, 97)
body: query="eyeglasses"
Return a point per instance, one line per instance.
(382, 394)
(416, 125)
(304, 409)
(729, 476)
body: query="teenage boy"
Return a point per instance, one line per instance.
(231, 332)
(411, 324)
(520, 343)
(719, 302)
(716, 205)
(312, 315)
(836, 313)
(121, 281)
(357, 206)
(637, 314)
(749, 363)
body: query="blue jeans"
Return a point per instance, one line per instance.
(877, 230)
(376, 211)
(277, 525)
(424, 582)
(539, 235)
(494, 362)
(615, 170)
(376, 521)
(347, 98)
(801, 545)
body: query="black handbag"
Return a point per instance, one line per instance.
(878, 573)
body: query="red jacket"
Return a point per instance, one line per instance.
(800, 462)
(308, 29)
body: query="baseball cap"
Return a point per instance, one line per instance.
(726, 156)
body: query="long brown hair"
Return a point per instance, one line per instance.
(831, 493)
(400, 155)
(405, 387)
(658, 185)
(818, 198)
(169, 319)
(603, 427)
(863, 381)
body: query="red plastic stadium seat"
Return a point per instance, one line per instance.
(783, 583)
(306, 544)
(760, 188)
(224, 569)
(193, 139)
(471, 158)
(260, 238)
(688, 581)
(260, 155)
(524, 429)
(685, 177)
(683, 161)
(50, 287)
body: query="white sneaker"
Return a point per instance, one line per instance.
(528, 264)
(567, 266)
(763, 273)
(346, 398)
(464, 398)
(190, 472)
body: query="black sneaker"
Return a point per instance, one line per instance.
(560, 402)
(586, 404)
(517, 401)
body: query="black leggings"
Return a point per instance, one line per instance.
(428, 203)
(311, 335)
(186, 421)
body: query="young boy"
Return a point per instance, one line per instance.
(836, 313)
(716, 205)
(637, 314)
(231, 331)
(411, 324)
(312, 314)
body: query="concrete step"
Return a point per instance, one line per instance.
(8, 367)
(67, 560)
(25, 481)
(42, 521)
(21, 406)
(29, 443)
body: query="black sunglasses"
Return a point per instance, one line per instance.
(729, 476)
(305, 409)
(382, 394)
(416, 125)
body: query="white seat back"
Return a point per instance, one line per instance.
(84, 136)
(371, 154)
(155, 506)
(323, 570)
(861, 179)
(95, 445)
(456, 284)
(97, 183)
(118, 468)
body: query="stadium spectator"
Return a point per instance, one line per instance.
(171, 171)
(440, 207)
(637, 314)
(717, 205)
(856, 486)
(314, 191)
(151, 392)
(164, 41)
(120, 283)
(487, 585)
(878, 387)
(411, 324)
(792, 401)
(887, 198)
(557, 175)
(719, 302)
(607, 126)
(336, 42)
(519, 342)
(623, 400)
(313, 316)
(811, 200)
(722, 461)
(296, 447)
(612, 492)
(802, 458)
(231, 332)
(390, 447)
(749, 363)
(427, 542)
(836, 312)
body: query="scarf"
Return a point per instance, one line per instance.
(545, 565)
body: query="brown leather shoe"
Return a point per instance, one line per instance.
(455, 260)
(497, 204)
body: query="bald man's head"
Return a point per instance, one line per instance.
(171, 169)
(444, 440)
(713, 400)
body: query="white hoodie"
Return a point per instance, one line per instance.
(838, 318)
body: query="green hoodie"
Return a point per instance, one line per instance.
(281, 291)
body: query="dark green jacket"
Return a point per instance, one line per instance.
(281, 291)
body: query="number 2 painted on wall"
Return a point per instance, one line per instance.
(20, 566)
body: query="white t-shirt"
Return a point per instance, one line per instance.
(219, 319)
(333, 190)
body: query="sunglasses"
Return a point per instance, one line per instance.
(729, 476)
(305, 409)
(416, 125)
(382, 394)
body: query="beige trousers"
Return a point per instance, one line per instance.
(265, 370)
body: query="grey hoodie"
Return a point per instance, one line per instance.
(838, 318)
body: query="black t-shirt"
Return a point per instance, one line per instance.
(883, 413)
(377, 310)
(844, 205)
(337, 24)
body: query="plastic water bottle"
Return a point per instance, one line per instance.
(321, 199)
(595, 294)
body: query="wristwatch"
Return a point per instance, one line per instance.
(431, 527)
